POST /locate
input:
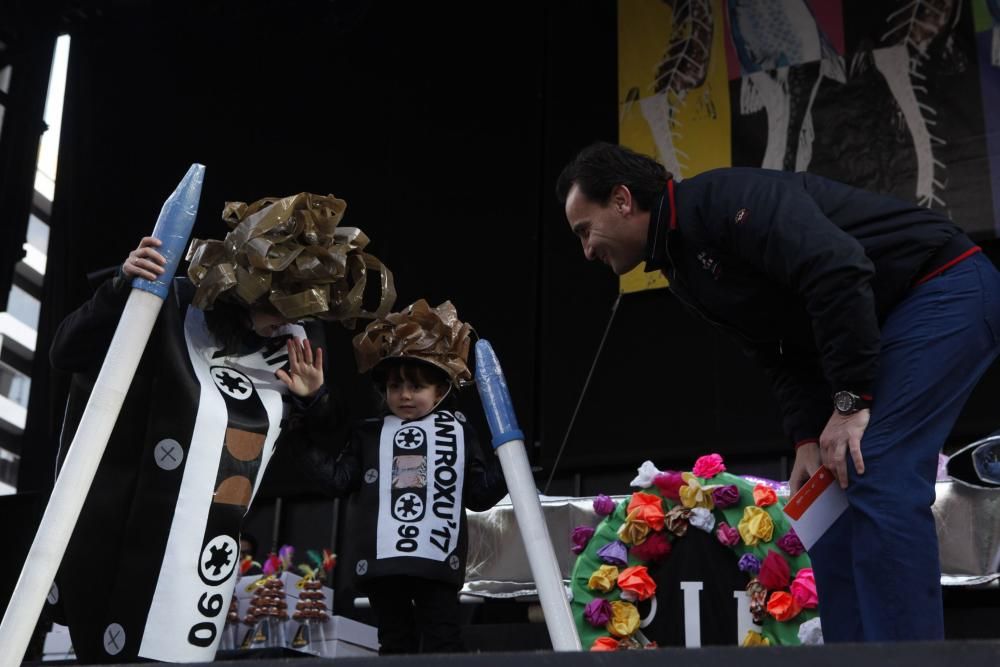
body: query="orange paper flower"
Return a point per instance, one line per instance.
(783, 606)
(649, 508)
(604, 644)
(636, 582)
(763, 495)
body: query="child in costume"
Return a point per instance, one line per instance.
(411, 473)
(151, 565)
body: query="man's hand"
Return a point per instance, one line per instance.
(145, 261)
(842, 434)
(807, 462)
(305, 373)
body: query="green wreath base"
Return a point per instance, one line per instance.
(776, 632)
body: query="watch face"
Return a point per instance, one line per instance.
(844, 401)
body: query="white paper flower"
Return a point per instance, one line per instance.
(647, 471)
(702, 518)
(811, 632)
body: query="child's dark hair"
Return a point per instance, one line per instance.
(409, 370)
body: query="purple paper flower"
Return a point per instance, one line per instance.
(614, 553)
(603, 505)
(597, 612)
(790, 543)
(580, 536)
(749, 564)
(725, 496)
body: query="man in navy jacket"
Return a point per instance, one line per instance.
(873, 318)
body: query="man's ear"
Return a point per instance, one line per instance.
(621, 200)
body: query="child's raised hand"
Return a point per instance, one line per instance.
(305, 374)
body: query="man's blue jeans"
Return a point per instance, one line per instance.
(877, 568)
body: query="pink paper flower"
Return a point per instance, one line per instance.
(708, 466)
(727, 535)
(804, 589)
(669, 484)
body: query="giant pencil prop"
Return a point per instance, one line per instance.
(173, 228)
(508, 440)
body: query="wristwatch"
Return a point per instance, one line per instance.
(847, 402)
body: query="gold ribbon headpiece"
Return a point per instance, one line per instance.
(290, 253)
(432, 335)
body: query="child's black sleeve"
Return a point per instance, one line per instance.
(317, 437)
(484, 481)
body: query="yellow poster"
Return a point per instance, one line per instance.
(673, 92)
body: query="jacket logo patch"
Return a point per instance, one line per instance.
(742, 216)
(709, 263)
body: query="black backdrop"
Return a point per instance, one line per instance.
(443, 126)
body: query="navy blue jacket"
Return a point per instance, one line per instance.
(801, 270)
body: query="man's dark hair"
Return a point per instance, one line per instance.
(599, 167)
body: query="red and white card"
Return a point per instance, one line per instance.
(814, 507)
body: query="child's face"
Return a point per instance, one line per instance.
(411, 399)
(266, 321)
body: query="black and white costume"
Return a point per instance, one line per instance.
(151, 566)
(409, 484)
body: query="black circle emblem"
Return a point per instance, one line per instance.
(409, 437)
(408, 507)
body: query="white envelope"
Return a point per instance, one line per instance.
(814, 507)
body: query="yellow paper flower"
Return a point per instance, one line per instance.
(755, 639)
(756, 526)
(634, 530)
(693, 494)
(603, 579)
(624, 619)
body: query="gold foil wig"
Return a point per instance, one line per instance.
(419, 332)
(291, 254)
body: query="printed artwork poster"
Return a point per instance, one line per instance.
(893, 97)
